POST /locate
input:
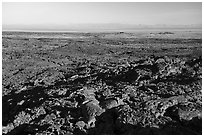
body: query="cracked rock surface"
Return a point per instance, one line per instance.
(91, 84)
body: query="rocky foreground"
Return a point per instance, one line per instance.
(150, 95)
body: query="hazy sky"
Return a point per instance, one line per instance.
(81, 13)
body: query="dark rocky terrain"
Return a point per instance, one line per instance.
(101, 83)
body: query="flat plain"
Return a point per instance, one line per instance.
(115, 83)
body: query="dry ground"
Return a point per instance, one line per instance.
(102, 83)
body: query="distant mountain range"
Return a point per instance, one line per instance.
(95, 27)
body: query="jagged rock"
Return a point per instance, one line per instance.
(147, 95)
(159, 107)
(8, 128)
(111, 103)
(127, 115)
(88, 93)
(189, 115)
(80, 124)
(90, 110)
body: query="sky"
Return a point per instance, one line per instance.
(58, 14)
